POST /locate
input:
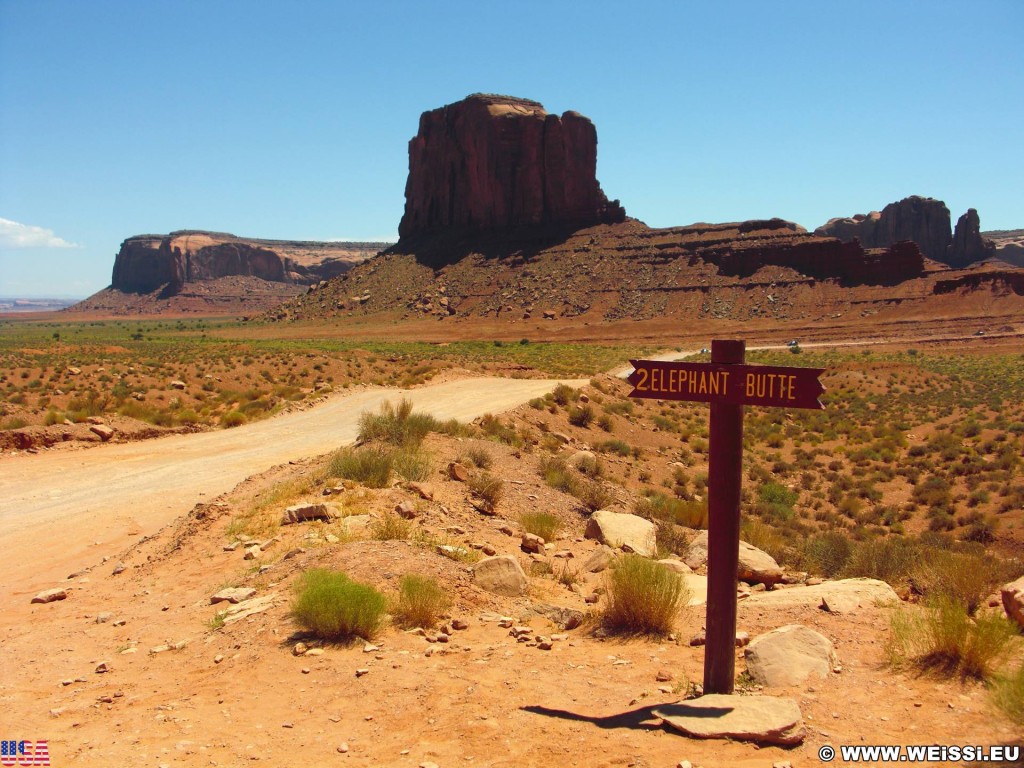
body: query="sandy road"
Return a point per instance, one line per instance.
(64, 510)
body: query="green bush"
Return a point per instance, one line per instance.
(390, 527)
(370, 466)
(233, 419)
(333, 607)
(944, 639)
(396, 425)
(965, 578)
(413, 464)
(643, 597)
(542, 524)
(581, 416)
(421, 602)
(828, 553)
(1008, 695)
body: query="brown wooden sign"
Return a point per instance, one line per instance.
(768, 385)
(728, 384)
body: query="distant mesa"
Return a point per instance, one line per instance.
(146, 263)
(496, 163)
(922, 220)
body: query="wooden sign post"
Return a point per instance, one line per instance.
(728, 384)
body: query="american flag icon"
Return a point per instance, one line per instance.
(24, 753)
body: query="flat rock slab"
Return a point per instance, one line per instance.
(761, 719)
(867, 592)
(301, 513)
(50, 595)
(698, 588)
(233, 595)
(249, 607)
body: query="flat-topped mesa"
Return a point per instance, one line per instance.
(498, 163)
(146, 263)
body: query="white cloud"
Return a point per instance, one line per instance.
(15, 235)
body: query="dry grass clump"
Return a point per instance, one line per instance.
(477, 457)
(542, 524)
(943, 638)
(643, 597)
(421, 602)
(331, 606)
(370, 465)
(390, 527)
(396, 425)
(487, 487)
(1008, 694)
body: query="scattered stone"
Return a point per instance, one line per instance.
(301, 513)
(218, 658)
(458, 472)
(564, 618)
(425, 491)
(343, 748)
(840, 603)
(1013, 600)
(362, 671)
(676, 566)
(356, 524)
(251, 553)
(460, 624)
(119, 568)
(314, 652)
(788, 656)
(617, 529)
(664, 676)
(760, 719)
(177, 384)
(232, 595)
(407, 510)
(293, 552)
(103, 618)
(232, 546)
(299, 648)
(102, 431)
(50, 596)
(102, 667)
(599, 560)
(532, 543)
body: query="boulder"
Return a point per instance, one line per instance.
(102, 431)
(1013, 600)
(501, 575)
(599, 560)
(788, 656)
(617, 529)
(676, 566)
(492, 162)
(760, 719)
(306, 511)
(755, 566)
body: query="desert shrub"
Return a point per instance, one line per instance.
(658, 506)
(232, 419)
(944, 639)
(590, 466)
(592, 494)
(390, 526)
(413, 464)
(487, 487)
(396, 425)
(556, 474)
(563, 394)
(53, 417)
(619, 447)
(828, 553)
(605, 422)
(495, 429)
(966, 578)
(333, 607)
(421, 602)
(370, 466)
(643, 597)
(581, 416)
(542, 524)
(1008, 694)
(890, 559)
(477, 456)
(14, 422)
(768, 539)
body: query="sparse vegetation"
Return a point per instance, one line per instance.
(421, 602)
(643, 597)
(542, 524)
(331, 606)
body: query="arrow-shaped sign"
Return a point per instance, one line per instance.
(741, 384)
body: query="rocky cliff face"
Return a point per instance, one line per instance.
(149, 262)
(919, 219)
(968, 245)
(490, 163)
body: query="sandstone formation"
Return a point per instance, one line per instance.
(147, 263)
(490, 163)
(921, 220)
(968, 245)
(1009, 245)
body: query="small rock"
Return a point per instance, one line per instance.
(314, 652)
(425, 491)
(407, 510)
(460, 624)
(218, 659)
(458, 472)
(299, 648)
(232, 595)
(362, 671)
(119, 568)
(343, 748)
(663, 676)
(102, 431)
(103, 618)
(50, 596)
(532, 543)
(251, 553)
(102, 667)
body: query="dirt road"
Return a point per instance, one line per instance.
(65, 510)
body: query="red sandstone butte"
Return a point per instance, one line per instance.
(491, 163)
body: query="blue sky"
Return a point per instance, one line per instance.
(291, 119)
